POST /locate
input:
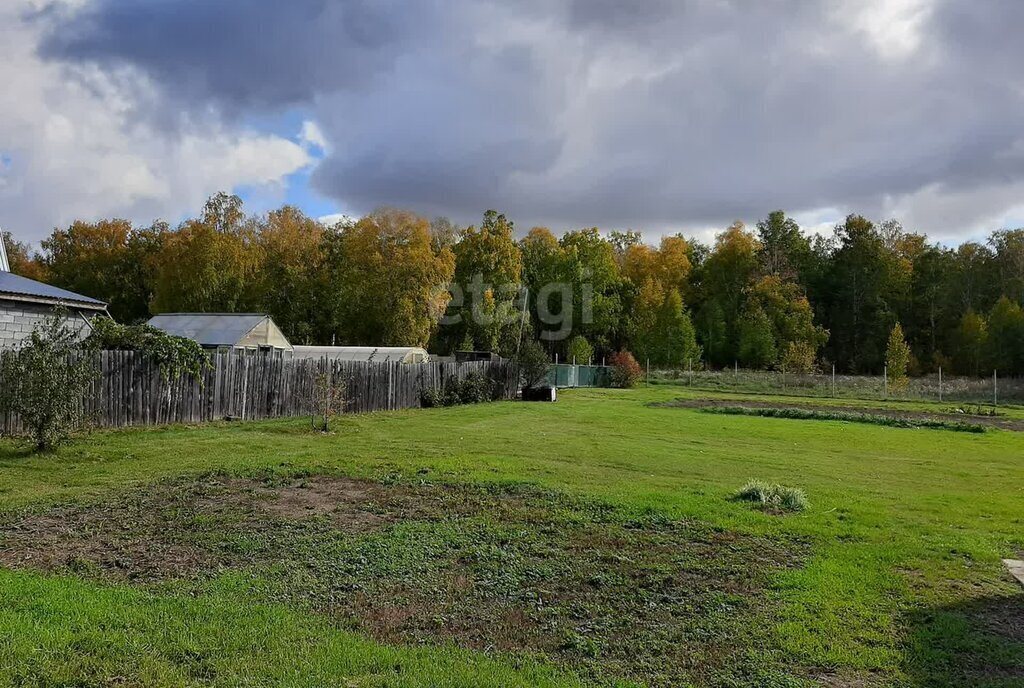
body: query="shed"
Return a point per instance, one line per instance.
(26, 303)
(224, 330)
(377, 354)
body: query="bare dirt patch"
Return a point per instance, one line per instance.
(614, 595)
(1016, 425)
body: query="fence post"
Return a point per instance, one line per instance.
(689, 368)
(648, 371)
(940, 384)
(833, 380)
(885, 381)
(995, 389)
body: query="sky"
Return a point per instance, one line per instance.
(655, 115)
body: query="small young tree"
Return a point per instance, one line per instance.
(533, 363)
(326, 400)
(579, 351)
(44, 381)
(897, 358)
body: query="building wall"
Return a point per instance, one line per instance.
(264, 334)
(19, 318)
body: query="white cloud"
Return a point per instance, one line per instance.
(312, 135)
(335, 218)
(82, 146)
(894, 27)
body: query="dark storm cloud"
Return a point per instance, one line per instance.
(645, 113)
(241, 53)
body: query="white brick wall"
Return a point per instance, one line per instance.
(17, 320)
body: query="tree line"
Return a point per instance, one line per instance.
(768, 297)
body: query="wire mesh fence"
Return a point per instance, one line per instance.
(935, 387)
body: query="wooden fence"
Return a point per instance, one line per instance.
(130, 389)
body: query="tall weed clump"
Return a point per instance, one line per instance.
(773, 496)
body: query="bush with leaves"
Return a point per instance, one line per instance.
(798, 357)
(626, 372)
(44, 381)
(533, 363)
(175, 356)
(475, 388)
(579, 351)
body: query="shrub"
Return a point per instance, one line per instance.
(475, 388)
(773, 496)
(44, 381)
(579, 350)
(533, 363)
(626, 372)
(432, 397)
(174, 355)
(798, 357)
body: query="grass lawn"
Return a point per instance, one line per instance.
(589, 541)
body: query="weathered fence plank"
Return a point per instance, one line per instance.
(131, 390)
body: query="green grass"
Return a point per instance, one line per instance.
(900, 585)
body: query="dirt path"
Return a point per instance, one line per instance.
(1014, 424)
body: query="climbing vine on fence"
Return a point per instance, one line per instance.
(174, 355)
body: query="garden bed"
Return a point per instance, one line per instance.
(910, 416)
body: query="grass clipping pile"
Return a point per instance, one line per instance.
(501, 569)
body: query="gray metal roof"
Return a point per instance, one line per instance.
(378, 354)
(209, 329)
(22, 288)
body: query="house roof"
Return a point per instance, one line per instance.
(378, 354)
(21, 288)
(209, 329)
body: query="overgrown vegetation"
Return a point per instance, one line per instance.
(44, 380)
(626, 372)
(975, 410)
(474, 388)
(533, 363)
(847, 416)
(773, 496)
(612, 594)
(176, 356)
